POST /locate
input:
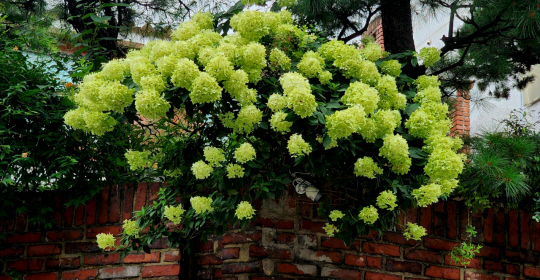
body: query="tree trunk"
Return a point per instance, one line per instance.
(397, 25)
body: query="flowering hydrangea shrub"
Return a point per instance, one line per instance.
(231, 117)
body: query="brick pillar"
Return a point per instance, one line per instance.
(461, 114)
(375, 30)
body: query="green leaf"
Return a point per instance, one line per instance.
(263, 125)
(411, 108)
(327, 140)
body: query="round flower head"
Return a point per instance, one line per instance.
(115, 70)
(276, 102)
(105, 241)
(201, 204)
(389, 95)
(153, 82)
(414, 231)
(391, 67)
(444, 164)
(429, 56)
(201, 170)
(428, 194)
(230, 51)
(186, 72)
(279, 60)
(167, 65)
(253, 56)
(325, 77)
(150, 104)
(98, 123)
(236, 83)
(335, 215)
(361, 94)
(279, 124)
(371, 50)
(250, 24)
(227, 119)
(185, 31)
(311, 64)
(184, 49)
(205, 89)
(330, 229)
(427, 95)
(441, 141)
(343, 123)
(448, 186)
(203, 20)
(387, 200)
(174, 213)
(244, 210)
(160, 49)
(297, 146)
(396, 149)
(75, 118)
(366, 167)
(369, 215)
(138, 160)
(424, 81)
(131, 229)
(247, 117)
(141, 68)
(387, 121)
(301, 101)
(234, 171)
(219, 67)
(244, 153)
(214, 156)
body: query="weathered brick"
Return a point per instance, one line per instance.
(397, 266)
(79, 215)
(398, 238)
(43, 250)
(341, 273)
(320, 256)
(42, 276)
(525, 230)
(513, 228)
(153, 257)
(284, 224)
(231, 253)
(269, 252)
(425, 218)
(385, 249)
(119, 272)
(531, 272)
(374, 262)
(500, 228)
(161, 270)
(103, 211)
(241, 237)
(334, 243)
(262, 222)
(82, 247)
(379, 276)
(64, 235)
(297, 269)
(439, 244)
(442, 272)
(26, 265)
(470, 275)
(512, 268)
(247, 267)
(115, 211)
(489, 252)
(102, 259)
(129, 191)
(209, 260)
(94, 231)
(312, 226)
(451, 219)
(285, 238)
(439, 215)
(11, 252)
(79, 274)
(140, 197)
(63, 263)
(91, 208)
(493, 266)
(423, 255)
(522, 257)
(355, 260)
(174, 256)
(68, 216)
(204, 247)
(31, 237)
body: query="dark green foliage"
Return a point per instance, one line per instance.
(37, 151)
(503, 167)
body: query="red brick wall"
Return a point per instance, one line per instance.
(69, 250)
(286, 241)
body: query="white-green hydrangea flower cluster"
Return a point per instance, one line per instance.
(201, 204)
(235, 171)
(428, 194)
(138, 160)
(297, 146)
(174, 213)
(387, 200)
(391, 67)
(367, 167)
(330, 229)
(201, 170)
(429, 56)
(396, 149)
(245, 153)
(214, 156)
(244, 210)
(369, 215)
(297, 93)
(335, 215)
(105, 241)
(131, 229)
(414, 231)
